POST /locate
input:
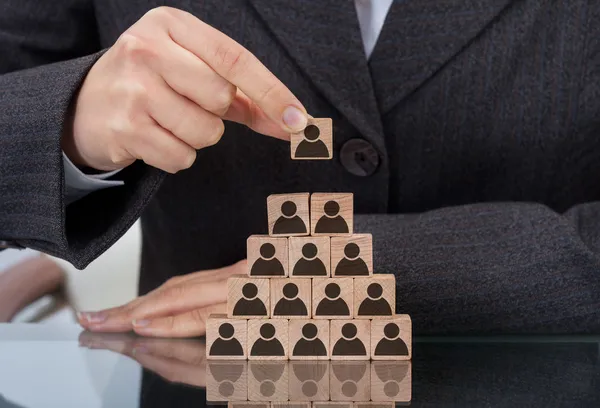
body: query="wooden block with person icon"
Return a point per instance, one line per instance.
(350, 339)
(315, 142)
(267, 339)
(332, 298)
(391, 339)
(226, 338)
(288, 214)
(308, 339)
(352, 255)
(291, 298)
(247, 297)
(267, 256)
(331, 214)
(309, 256)
(375, 297)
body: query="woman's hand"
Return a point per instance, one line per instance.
(179, 308)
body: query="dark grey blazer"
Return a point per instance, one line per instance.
(483, 117)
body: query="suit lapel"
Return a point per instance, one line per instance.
(324, 39)
(419, 37)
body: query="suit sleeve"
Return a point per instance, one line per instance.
(47, 49)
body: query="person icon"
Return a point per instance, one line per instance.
(352, 264)
(312, 146)
(289, 222)
(249, 304)
(331, 222)
(332, 304)
(374, 305)
(309, 344)
(309, 264)
(349, 345)
(290, 304)
(267, 344)
(391, 344)
(226, 344)
(267, 264)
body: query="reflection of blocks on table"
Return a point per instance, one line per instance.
(391, 339)
(288, 214)
(290, 298)
(315, 142)
(226, 338)
(332, 298)
(247, 297)
(331, 214)
(350, 381)
(372, 404)
(226, 381)
(290, 404)
(267, 256)
(374, 297)
(391, 381)
(309, 256)
(352, 255)
(268, 381)
(268, 339)
(349, 339)
(248, 404)
(332, 404)
(309, 339)
(309, 380)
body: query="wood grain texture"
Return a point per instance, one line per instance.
(290, 298)
(225, 338)
(373, 404)
(350, 380)
(309, 339)
(332, 298)
(290, 404)
(391, 339)
(309, 380)
(247, 297)
(375, 297)
(226, 380)
(268, 380)
(309, 256)
(311, 143)
(332, 214)
(350, 339)
(332, 404)
(288, 214)
(248, 404)
(267, 256)
(352, 255)
(391, 381)
(268, 339)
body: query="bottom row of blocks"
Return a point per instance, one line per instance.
(281, 339)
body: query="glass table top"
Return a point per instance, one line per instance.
(52, 366)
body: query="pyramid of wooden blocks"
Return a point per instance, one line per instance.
(311, 293)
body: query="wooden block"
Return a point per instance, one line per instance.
(226, 381)
(349, 339)
(288, 214)
(268, 339)
(333, 298)
(352, 256)
(247, 297)
(391, 381)
(331, 214)
(332, 404)
(372, 404)
(350, 381)
(309, 339)
(226, 338)
(268, 381)
(309, 380)
(391, 339)
(290, 404)
(290, 298)
(267, 256)
(315, 142)
(309, 256)
(375, 297)
(248, 404)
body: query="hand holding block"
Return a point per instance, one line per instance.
(226, 338)
(247, 297)
(226, 381)
(331, 214)
(315, 142)
(268, 381)
(309, 256)
(268, 339)
(267, 256)
(350, 381)
(309, 380)
(352, 256)
(332, 298)
(309, 339)
(391, 381)
(290, 298)
(375, 297)
(391, 339)
(349, 339)
(288, 214)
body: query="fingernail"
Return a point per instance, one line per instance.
(92, 317)
(294, 118)
(141, 323)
